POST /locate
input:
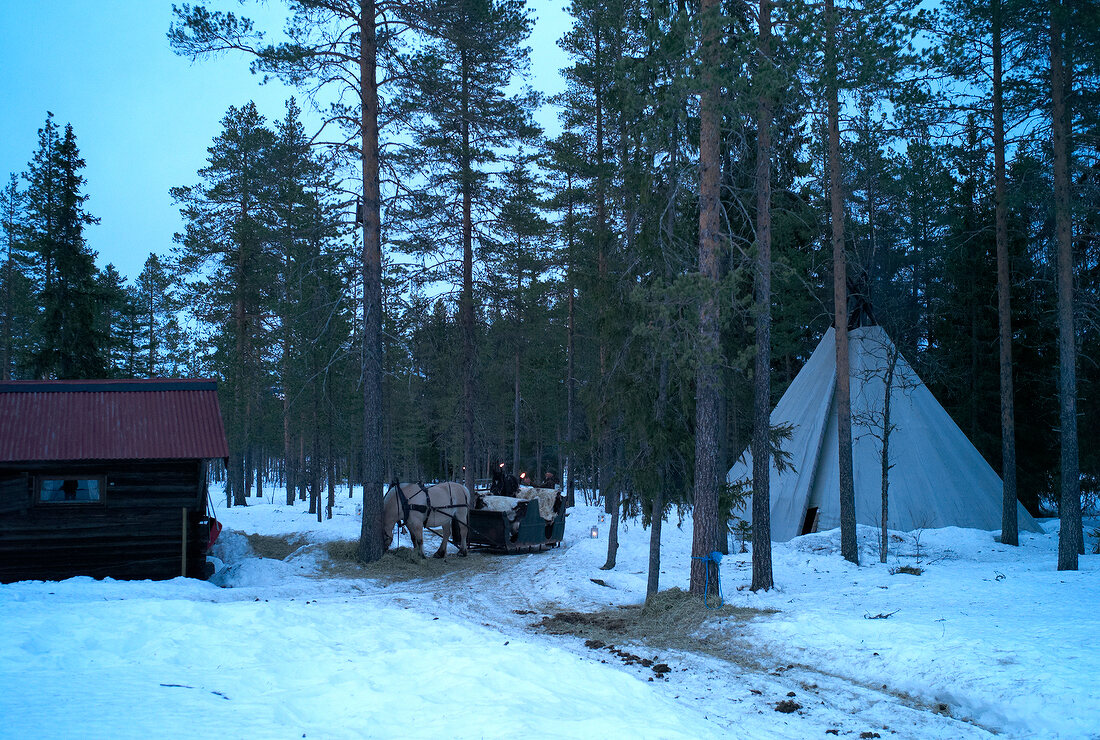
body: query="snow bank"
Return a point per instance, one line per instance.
(167, 664)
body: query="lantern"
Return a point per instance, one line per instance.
(595, 532)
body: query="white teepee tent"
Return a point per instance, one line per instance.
(937, 478)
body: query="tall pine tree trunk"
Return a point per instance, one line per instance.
(848, 545)
(515, 411)
(1069, 508)
(608, 487)
(656, 520)
(466, 308)
(330, 469)
(240, 481)
(259, 463)
(370, 535)
(315, 468)
(705, 525)
(288, 450)
(353, 471)
(5, 334)
(1009, 523)
(570, 394)
(891, 368)
(612, 503)
(249, 471)
(303, 468)
(761, 452)
(657, 512)
(603, 473)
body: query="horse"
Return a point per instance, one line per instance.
(444, 505)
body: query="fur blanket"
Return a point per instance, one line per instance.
(548, 502)
(548, 499)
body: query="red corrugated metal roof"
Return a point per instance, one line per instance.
(110, 420)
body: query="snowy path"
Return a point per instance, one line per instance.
(738, 691)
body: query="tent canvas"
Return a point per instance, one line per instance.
(937, 479)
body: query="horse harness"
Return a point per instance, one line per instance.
(426, 508)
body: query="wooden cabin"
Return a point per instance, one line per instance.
(106, 478)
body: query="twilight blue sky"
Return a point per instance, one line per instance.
(143, 117)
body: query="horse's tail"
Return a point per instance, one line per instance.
(467, 499)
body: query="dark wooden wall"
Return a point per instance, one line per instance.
(134, 532)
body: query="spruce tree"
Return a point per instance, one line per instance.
(314, 312)
(157, 322)
(68, 342)
(114, 309)
(225, 252)
(17, 310)
(516, 261)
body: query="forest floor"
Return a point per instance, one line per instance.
(292, 638)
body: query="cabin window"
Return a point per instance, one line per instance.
(74, 489)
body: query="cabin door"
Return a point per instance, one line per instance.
(809, 524)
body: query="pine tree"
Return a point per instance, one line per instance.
(761, 453)
(1070, 540)
(331, 45)
(461, 117)
(864, 50)
(1009, 523)
(979, 37)
(595, 44)
(705, 532)
(565, 165)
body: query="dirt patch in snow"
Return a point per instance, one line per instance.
(673, 619)
(340, 559)
(277, 547)
(400, 564)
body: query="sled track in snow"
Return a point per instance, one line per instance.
(721, 673)
(717, 671)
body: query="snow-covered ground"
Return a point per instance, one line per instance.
(987, 640)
